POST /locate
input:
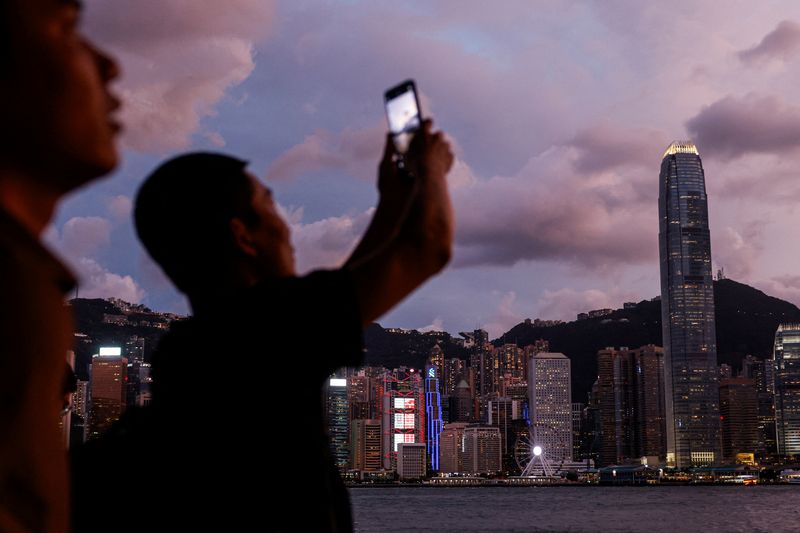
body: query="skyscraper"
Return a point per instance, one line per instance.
(687, 310)
(338, 418)
(550, 404)
(787, 388)
(108, 377)
(738, 398)
(763, 371)
(433, 415)
(365, 449)
(630, 392)
(452, 447)
(482, 451)
(402, 412)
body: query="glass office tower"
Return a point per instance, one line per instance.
(687, 310)
(787, 388)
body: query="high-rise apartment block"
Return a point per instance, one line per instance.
(630, 393)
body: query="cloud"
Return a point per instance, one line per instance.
(180, 58)
(605, 147)
(80, 239)
(327, 242)
(566, 303)
(780, 44)
(82, 236)
(120, 207)
(733, 127)
(586, 202)
(738, 252)
(550, 212)
(786, 287)
(356, 152)
(437, 325)
(97, 282)
(504, 317)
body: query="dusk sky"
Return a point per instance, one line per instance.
(559, 112)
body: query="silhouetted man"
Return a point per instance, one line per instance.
(56, 133)
(237, 408)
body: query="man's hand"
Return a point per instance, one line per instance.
(423, 244)
(429, 154)
(429, 226)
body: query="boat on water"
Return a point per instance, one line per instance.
(792, 477)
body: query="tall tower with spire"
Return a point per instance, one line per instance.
(687, 310)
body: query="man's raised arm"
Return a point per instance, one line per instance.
(415, 227)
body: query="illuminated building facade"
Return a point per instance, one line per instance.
(453, 369)
(108, 391)
(402, 412)
(451, 449)
(461, 403)
(411, 462)
(787, 388)
(366, 441)
(630, 392)
(762, 372)
(433, 415)
(482, 450)
(550, 404)
(359, 391)
(687, 310)
(501, 414)
(338, 417)
(738, 407)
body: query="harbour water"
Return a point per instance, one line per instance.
(765, 508)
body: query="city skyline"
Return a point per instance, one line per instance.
(559, 115)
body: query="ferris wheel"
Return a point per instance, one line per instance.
(529, 454)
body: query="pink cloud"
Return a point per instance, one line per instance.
(356, 151)
(566, 303)
(327, 243)
(505, 315)
(179, 60)
(738, 252)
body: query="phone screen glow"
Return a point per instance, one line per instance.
(404, 119)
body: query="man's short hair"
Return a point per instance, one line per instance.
(183, 211)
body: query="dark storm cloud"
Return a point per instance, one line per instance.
(606, 147)
(733, 127)
(549, 212)
(781, 43)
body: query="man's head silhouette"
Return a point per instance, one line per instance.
(210, 224)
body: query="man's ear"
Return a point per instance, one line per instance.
(242, 237)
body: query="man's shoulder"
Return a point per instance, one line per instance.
(313, 282)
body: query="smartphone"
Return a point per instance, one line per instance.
(402, 110)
